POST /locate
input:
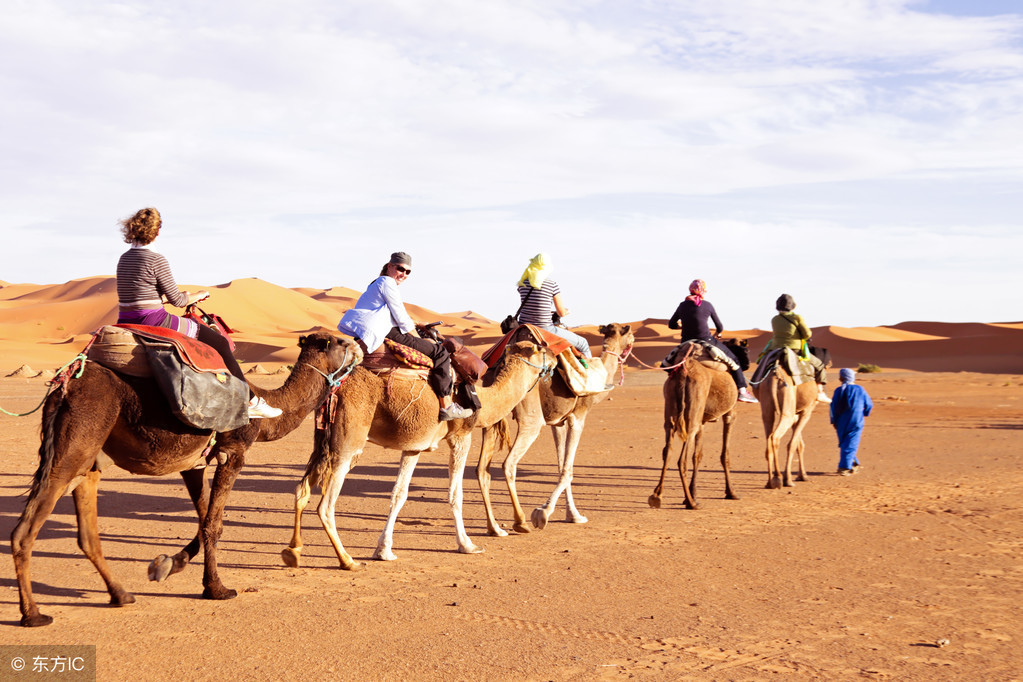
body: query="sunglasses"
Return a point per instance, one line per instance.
(403, 270)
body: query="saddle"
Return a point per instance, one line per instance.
(190, 374)
(582, 375)
(394, 359)
(800, 370)
(704, 352)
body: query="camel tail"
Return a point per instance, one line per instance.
(676, 415)
(502, 434)
(321, 463)
(47, 445)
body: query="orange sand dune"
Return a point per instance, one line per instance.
(44, 326)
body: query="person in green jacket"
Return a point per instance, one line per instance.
(790, 331)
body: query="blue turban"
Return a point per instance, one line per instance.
(847, 376)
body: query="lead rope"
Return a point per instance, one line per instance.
(64, 375)
(545, 369)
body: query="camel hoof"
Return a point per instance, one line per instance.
(539, 518)
(578, 518)
(803, 479)
(160, 568)
(385, 555)
(773, 484)
(292, 556)
(789, 484)
(521, 528)
(471, 549)
(654, 501)
(221, 594)
(353, 566)
(36, 621)
(732, 496)
(497, 532)
(122, 599)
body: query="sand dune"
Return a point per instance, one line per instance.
(44, 326)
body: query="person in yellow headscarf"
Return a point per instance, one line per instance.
(541, 299)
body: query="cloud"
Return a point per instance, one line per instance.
(616, 135)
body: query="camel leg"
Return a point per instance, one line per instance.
(399, 494)
(213, 524)
(726, 464)
(487, 447)
(456, 473)
(326, 511)
(38, 508)
(797, 434)
(526, 435)
(669, 436)
(88, 537)
(689, 446)
(69, 449)
(292, 554)
(572, 514)
(566, 441)
(697, 459)
(543, 513)
(198, 488)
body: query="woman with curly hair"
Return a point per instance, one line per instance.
(144, 282)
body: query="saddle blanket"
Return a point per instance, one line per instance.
(800, 370)
(197, 355)
(554, 343)
(711, 354)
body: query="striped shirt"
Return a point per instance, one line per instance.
(537, 310)
(143, 276)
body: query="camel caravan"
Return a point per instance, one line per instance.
(154, 395)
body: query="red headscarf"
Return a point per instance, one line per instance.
(697, 288)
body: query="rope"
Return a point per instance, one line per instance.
(64, 374)
(545, 369)
(622, 358)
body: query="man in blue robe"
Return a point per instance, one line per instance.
(849, 407)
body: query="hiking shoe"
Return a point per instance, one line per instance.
(746, 397)
(845, 472)
(822, 397)
(454, 411)
(258, 408)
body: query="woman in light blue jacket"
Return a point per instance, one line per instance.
(380, 313)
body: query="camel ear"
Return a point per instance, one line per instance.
(626, 328)
(604, 329)
(301, 341)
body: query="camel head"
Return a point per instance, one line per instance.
(329, 353)
(618, 338)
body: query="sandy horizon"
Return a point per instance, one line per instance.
(43, 326)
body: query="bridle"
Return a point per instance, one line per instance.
(622, 357)
(545, 369)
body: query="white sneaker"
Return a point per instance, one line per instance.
(746, 397)
(258, 408)
(822, 397)
(454, 411)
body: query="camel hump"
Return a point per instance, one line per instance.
(117, 349)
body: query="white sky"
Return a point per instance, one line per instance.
(864, 156)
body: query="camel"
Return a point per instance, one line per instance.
(697, 392)
(785, 405)
(401, 414)
(103, 417)
(551, 403)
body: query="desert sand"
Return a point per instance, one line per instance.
(908, 570)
